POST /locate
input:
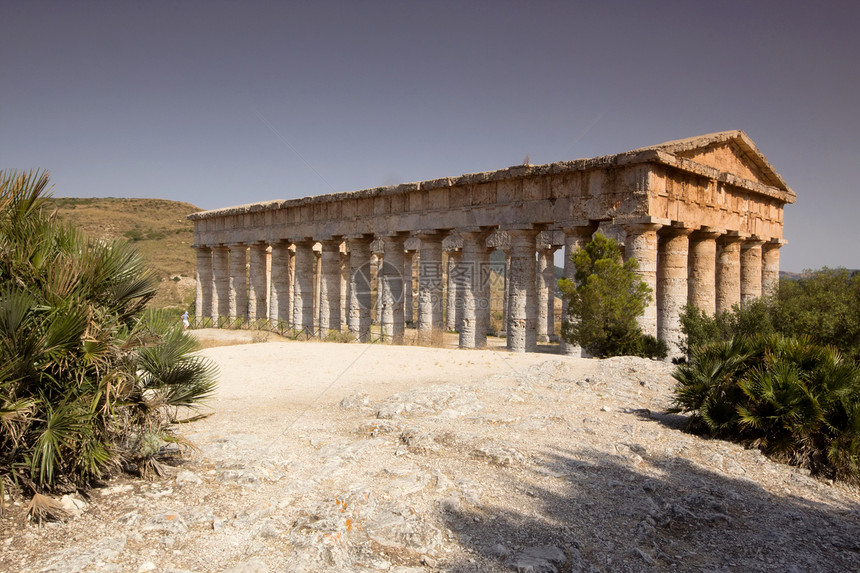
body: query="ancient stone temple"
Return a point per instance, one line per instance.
(702, 216)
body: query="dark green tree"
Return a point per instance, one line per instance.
(604, 300)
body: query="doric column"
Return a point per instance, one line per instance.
(702, 283)
(329, 295)
(408, 265)
(545, 293)
(473, 287)
(303, 286)
(221, 284)
(203, 301)
(770, 267)
(292, 279)
(359, 287)
(317, 287)
(751, 270)
(522, 298)
(728, 272)
(641, 245)
(452, 313)
(257, 295)
(344, 290)
(575, 238)
(279, 303)
(376, 287)
(238, 281)
(506, 288)
(430, 284)
(392, 289)
(672, 255)
(551, 283)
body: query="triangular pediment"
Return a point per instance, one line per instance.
(730, 152)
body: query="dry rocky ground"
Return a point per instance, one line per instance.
(347, 457)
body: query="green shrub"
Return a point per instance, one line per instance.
(88, 380)
(134, 235)
(698, 328)
(797, 401)
(604, 300)
(824, 305)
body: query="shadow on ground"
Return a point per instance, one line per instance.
(599, 512)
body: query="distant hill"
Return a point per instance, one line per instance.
(797, 276)
(788, 275)
(157, 227)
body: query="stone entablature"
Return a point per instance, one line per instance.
(713, 190)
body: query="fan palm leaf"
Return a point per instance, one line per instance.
(82, 370)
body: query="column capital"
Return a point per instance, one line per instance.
(584, 229)
(752, 242)
(707, 233)
(403, 235)
(476, 233)
(575, 224)
(431, 233)
(774, 244)
(301, 240)
(635, 221)
(676, 230)
(512, 228)
(523, 232)
(359, 237)
(731, 238)
(639, 228)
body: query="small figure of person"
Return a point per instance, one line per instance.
(185, 320)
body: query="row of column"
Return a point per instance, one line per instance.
(710, 270)
(234, 278)
(705, 268)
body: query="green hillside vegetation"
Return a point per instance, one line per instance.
(157, 228)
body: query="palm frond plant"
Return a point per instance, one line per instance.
(85, 371)
(796, 401)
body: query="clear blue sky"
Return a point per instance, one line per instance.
(224, 103)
